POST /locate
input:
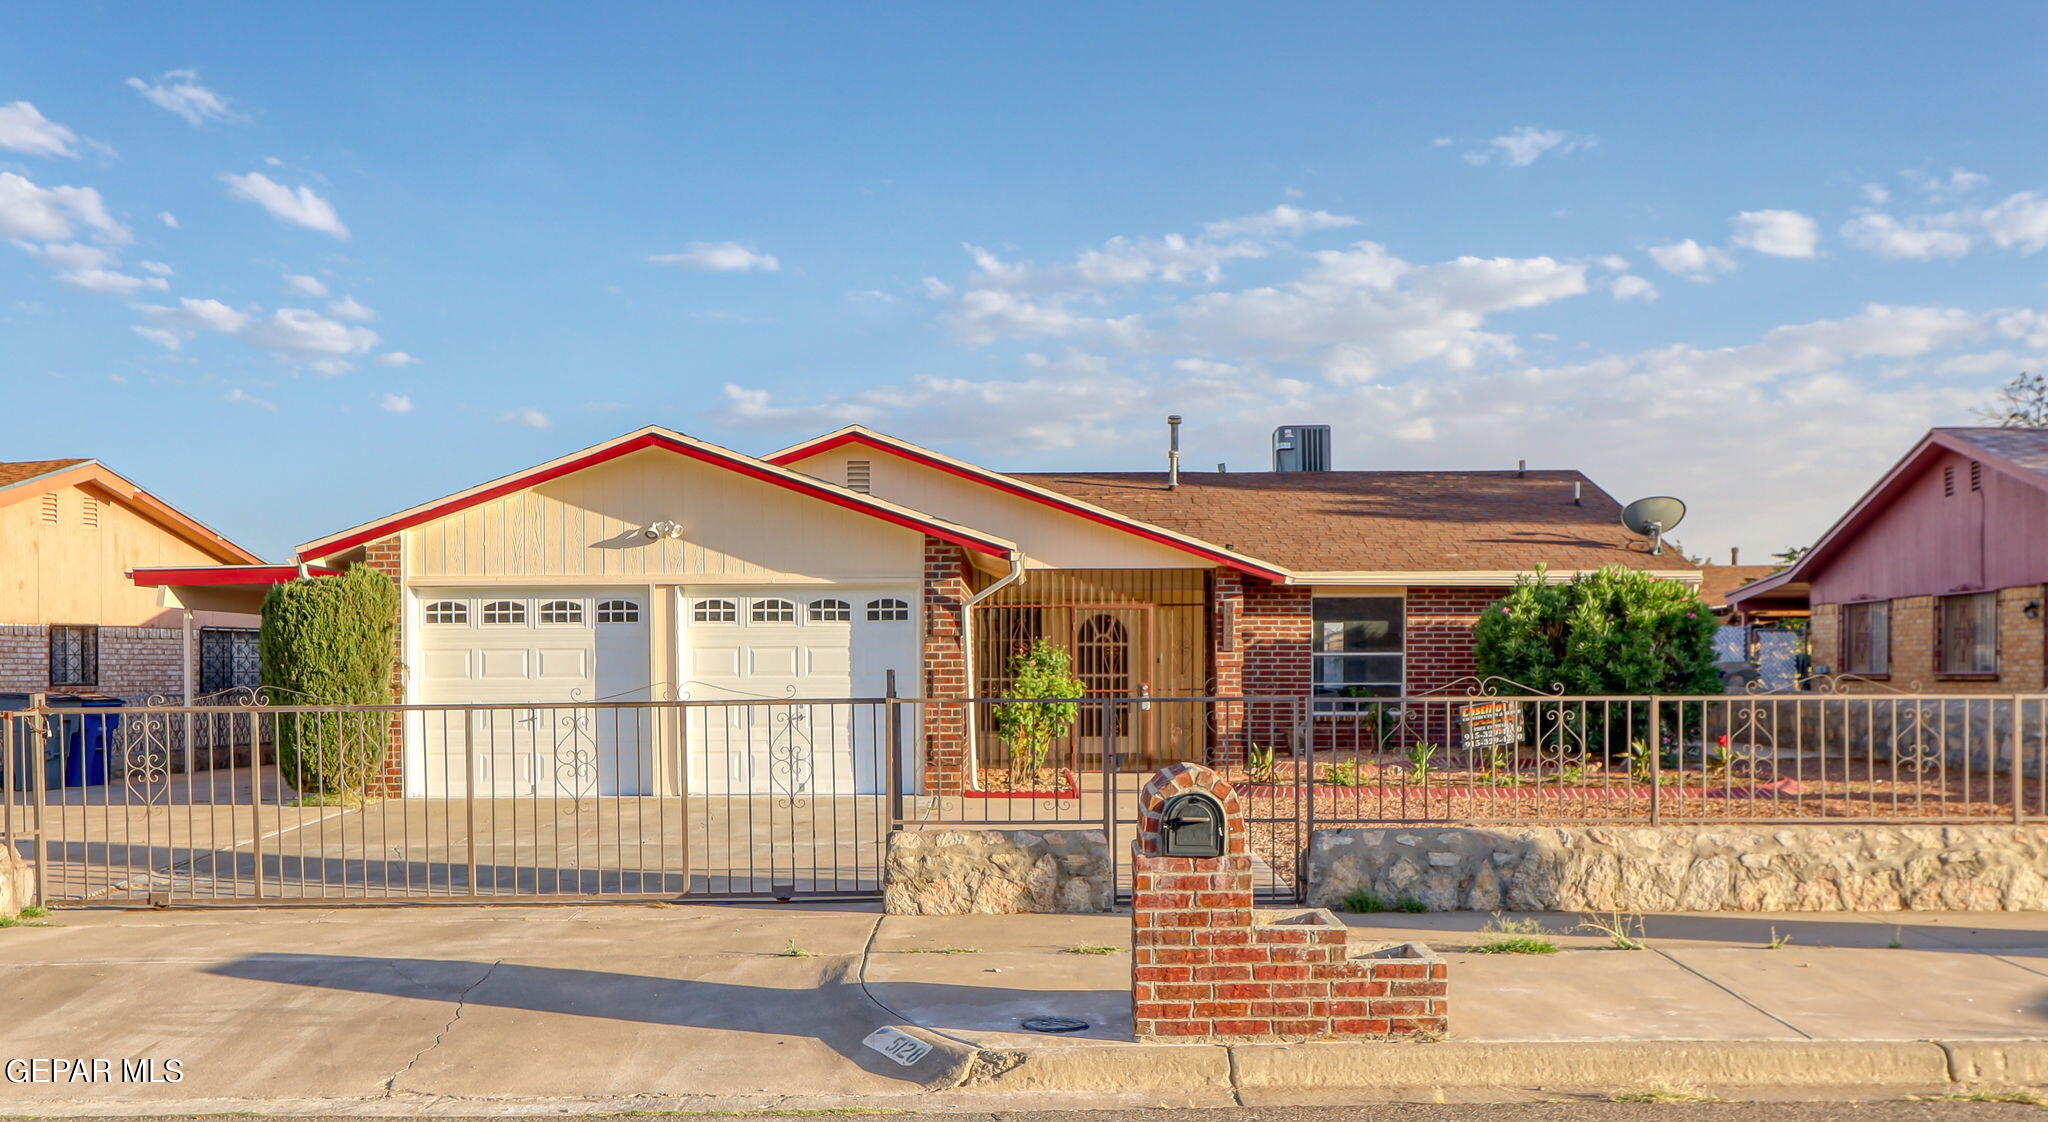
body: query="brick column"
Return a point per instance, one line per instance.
(945, 667)
(1207, 964)
(1226, 666)
(387, 556)
(1274, 630)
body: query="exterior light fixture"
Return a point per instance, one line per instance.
(2032, 610)
(663, 529)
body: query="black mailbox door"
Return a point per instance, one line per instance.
(1191, 826)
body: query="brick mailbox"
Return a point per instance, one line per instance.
(1207, 964)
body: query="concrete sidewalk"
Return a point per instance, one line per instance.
(530, 1009)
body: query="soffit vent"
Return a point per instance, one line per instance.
(859, 475)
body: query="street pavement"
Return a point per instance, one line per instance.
(450, 1011)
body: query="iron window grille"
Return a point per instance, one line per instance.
(1867, 638)
(74, 655)
(229, 658)
(1969, 633)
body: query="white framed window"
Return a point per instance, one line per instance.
(562, 611)
(447, 611)
(888, 609)
(618, 611)
(773, 610)
(1357, 646)
(505, 611)
(831, 611)
(715, 611)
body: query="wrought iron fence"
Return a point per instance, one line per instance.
(788, 798)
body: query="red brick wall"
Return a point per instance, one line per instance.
(1226, 665)
(1204, 967)
(386, 555)
(945, 666)
(1439, 646)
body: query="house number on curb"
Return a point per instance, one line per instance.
(898, 1045)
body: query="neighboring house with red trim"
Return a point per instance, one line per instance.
(657, 565)
(1934, 580)
(71, 621)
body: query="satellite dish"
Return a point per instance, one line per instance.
(1652, 518)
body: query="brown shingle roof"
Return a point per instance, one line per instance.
(19, 470)
(1717, 581)
(1378, 521)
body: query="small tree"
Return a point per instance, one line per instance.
(331, 641)
(2021, 403)
(1616, 631)
(1046, 671)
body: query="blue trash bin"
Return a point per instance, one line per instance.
(85, 737)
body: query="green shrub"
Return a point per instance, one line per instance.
(1363, 900)
(331, 641)
(1045, 671)
(1615, 631)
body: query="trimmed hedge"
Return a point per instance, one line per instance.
(331, 641)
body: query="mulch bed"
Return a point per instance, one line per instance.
(1037, 783)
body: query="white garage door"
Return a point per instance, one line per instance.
(774, 644)
(517, 651)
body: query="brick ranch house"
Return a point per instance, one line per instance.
(1934, 580)
(656, 565)
(70, 619)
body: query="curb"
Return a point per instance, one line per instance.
(1523, 1066)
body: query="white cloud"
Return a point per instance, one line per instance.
(395, 358)
(1779, 233)
(92, 269)
(1940, 188)
(1691, 260)
(161, 336)
(1282, 220)
(300, 206)
(306, 333)
(299, 284)
(168, 219)
(2020, 222)
(1628, 286)
(395, 403)
(23, 128)
(1525, 145)
(53, 213)
(719, 257)
(243, 397)
(1876, 194)
(180, 92)
(157, 267)
(198, 315)
(528, 417)
(1924, 238)
(349, 308)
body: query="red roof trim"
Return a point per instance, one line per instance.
(225, 574)
(992, 479)
(650, 440)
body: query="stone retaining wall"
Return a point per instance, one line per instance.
(17, 883)
(1687, 868)
(996, 872)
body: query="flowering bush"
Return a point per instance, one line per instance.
(1616, 631)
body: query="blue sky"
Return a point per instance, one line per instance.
(296, 267)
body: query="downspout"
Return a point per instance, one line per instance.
(1014, 576)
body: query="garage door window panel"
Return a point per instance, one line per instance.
(618, 611)
(715, 611)
(773, 611)
(448, 612)
(505, 612)
(831, 611)
(888, 610)
(567, 612)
